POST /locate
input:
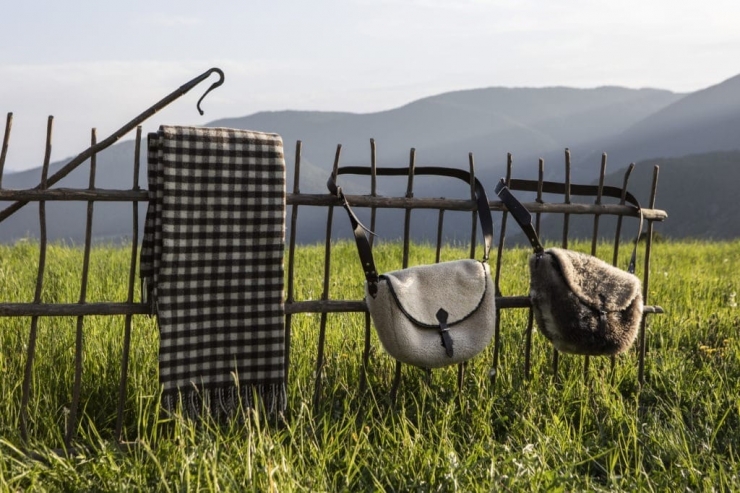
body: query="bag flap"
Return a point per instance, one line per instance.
(458, 287)
(598, 284)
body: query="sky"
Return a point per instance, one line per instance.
(100, 64)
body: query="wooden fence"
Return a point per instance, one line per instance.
(130, 307)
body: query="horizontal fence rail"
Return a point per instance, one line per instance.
(125, 308)
(315, 200)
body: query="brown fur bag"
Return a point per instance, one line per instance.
(581, 304)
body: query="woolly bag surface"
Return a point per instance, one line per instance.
(584, 305)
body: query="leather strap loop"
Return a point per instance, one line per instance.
(363, 245)
(524, 218)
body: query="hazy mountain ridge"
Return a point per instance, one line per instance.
(530, 123)
(487, 122)
(698, 191)
(704, 121)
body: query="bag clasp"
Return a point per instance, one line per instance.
(444, 331)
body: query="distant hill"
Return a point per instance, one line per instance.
(445, 128)
(698, 191)
(530, 123)
(66, 220)
(704, 121)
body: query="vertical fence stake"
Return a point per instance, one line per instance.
(473, 238)
(325, 294)
(530, 313)
(405, 261)
(474, 214)
(373, 187)
(6, 141)
(497, 277)
(540, 187)
(646, 278)
(76, 387)
(30, 353)
(440, 228)
(617, 235)
(594, 241)
(622, 201)
(291, 257)
(566, 199)
(373, 214)
(130, 298)
(597, 217)
(407, 216)
(564, 244)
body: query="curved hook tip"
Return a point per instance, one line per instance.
(213, 86)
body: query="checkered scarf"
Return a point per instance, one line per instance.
(212, 267)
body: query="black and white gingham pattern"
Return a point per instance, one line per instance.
(151, 246)
(212, 263)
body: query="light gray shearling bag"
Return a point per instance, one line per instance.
(581, 304)
(429, 316)
(407, 310)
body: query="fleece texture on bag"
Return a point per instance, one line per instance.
(584, 305)
(405, 307)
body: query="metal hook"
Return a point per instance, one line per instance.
(115, 136)
(213, 86)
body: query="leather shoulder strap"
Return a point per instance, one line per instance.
(363, 245)
(524, 218)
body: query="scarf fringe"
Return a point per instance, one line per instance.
(225, 403)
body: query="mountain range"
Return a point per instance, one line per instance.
(693, 136)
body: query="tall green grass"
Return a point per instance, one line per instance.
(597, 432)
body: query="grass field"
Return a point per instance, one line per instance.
(679, 432)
